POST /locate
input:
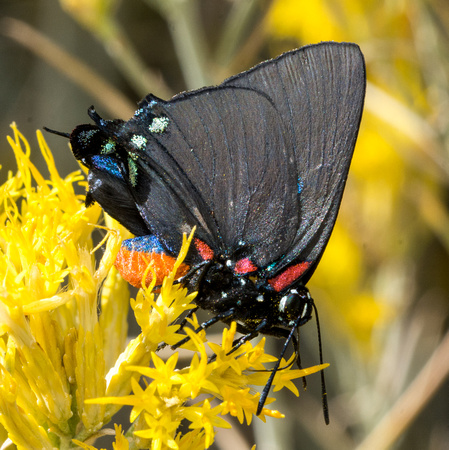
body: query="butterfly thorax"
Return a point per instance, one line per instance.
(251, 301)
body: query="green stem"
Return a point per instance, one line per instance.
(236, 29)
(188, 36)
(74, 69)
(128, 61)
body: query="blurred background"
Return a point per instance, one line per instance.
(382, 287)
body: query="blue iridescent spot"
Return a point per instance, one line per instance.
(270, 267)
(108, 165)
(300, 185)
(146, 244)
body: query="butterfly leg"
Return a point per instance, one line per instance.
(188, 316)
(181, 326)
(223, 316)
(248, 336)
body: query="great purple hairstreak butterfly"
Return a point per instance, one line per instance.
(257, 164)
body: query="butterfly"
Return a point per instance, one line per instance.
(257, 164)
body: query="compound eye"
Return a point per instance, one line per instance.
(295, 305)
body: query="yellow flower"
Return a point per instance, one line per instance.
(66, 369)
(316, 21)
(48, 312)
(206, 418)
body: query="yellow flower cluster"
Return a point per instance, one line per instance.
(66, 368)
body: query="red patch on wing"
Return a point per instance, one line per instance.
(288, 276)
(244, 265)
(132, 266)
(204, 250)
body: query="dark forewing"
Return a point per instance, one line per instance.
(225, 164)
(260, 161)
(319, 92)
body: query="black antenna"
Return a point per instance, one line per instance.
(266, 389)
(59, 133)
(323, 383)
